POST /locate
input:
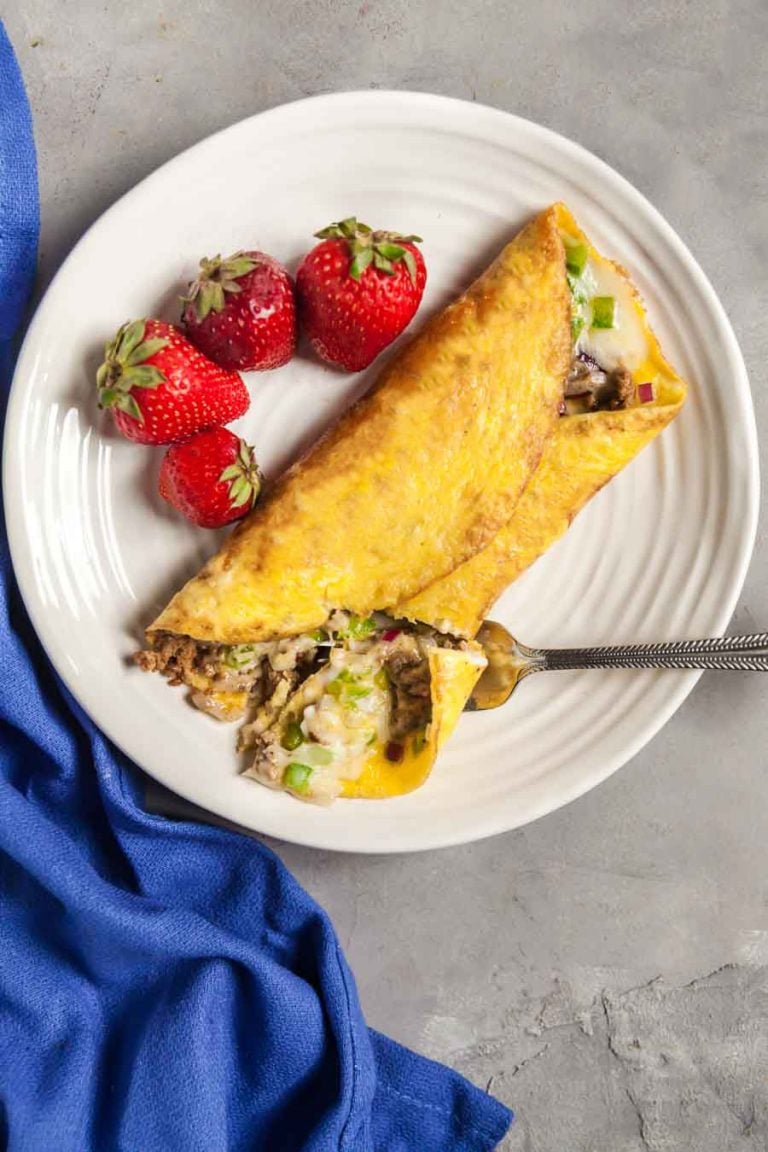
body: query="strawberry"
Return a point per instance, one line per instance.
(161, 389)
(212, 478)
(357, 290)
(241, 312)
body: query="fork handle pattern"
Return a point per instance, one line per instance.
(748, 653)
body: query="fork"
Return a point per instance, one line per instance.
(509, 661)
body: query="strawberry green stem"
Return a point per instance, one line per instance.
(217, 277)
(125, 368)
(383, 249)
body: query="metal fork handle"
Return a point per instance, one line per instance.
(748, 653)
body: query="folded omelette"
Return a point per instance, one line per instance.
(287, 626)
(337, 620)
(620, 392)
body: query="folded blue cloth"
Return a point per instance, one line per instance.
(165, 986)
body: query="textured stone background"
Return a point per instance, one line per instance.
(606, 967)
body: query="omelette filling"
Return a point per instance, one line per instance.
(317, 704)
(608, 337)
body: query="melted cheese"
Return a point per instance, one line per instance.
(626, 344)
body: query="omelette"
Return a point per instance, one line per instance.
(337, 621)
(619, 393)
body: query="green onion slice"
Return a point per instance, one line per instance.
(239, 656)
(297, 777)
(603, 311)
(576, 256)
(357, 692)
(358, 629)
(293, 736)
(317, 755)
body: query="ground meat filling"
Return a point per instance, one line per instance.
(409, 686)
(270, 675)
(179, 658)
(590, 388)
(267, 674)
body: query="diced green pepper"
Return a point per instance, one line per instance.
(578, 291)
(319, 635)
(577, 326)
(239, 656)
(359, 628)
(349, 687)
(357, 692)
(297, 777)
(318, 755)
(603, 311)
(576, 256)
(293, 736)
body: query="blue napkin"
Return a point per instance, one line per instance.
(164, 985)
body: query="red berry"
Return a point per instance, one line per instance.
(357, 290)
(160, 388)
(241, 312)
(212, 478)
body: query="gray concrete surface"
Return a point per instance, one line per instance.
(607, 967)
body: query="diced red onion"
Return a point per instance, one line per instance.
(394, 751)
(391, 634)
(645, 392)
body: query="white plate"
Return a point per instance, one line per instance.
(661, 553)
